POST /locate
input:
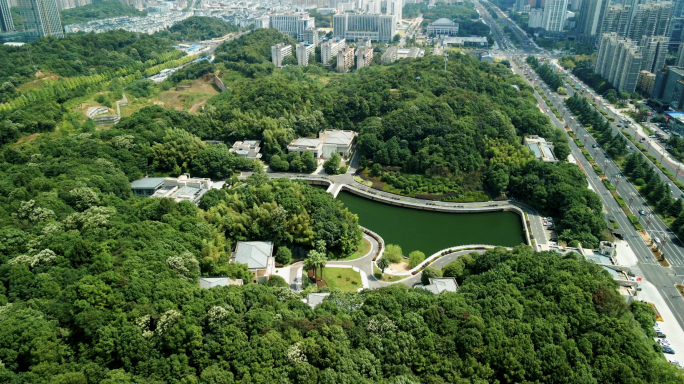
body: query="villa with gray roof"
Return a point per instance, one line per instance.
(541, 149)
(257, 256)
(327, 143)
(441, 284)
(248, 149)
(212, 282)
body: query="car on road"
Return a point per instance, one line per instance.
(642, 212)
(594, 146)
(621, 121)
(619, 125)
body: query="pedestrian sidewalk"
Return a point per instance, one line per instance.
(669, 326)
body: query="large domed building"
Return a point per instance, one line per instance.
(443, 27)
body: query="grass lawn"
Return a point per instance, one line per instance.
(346, 279)
(361, 251)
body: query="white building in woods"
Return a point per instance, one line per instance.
(326, 144)
(542, 149)
(313, 299)
(345, 59)
(443, 27)
(440, 285)
(364, 54)
(257, 256)
(330, 48)
(182, 188)
(304, 53)
(279, 52)
(248, 149)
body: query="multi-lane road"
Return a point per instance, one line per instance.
(648, 267)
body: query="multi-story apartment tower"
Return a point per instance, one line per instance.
(330, 48)
(279, 52)
(555, 13)
(591, 15)
(650, 19)
(6, 23)
(311, 36)
(616, 20)
(304, 52)
(364, 54)
(41, 18)
(364, 26)
(653, 52)
(394, 8)
(294, 24)
(345, 59)
(618, 60)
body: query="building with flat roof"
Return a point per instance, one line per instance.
(248, 149)
(664, 85)
(212, 282)
(353, 26)
(330, 48)
(279, 52)
(395, 53)
(257, 256)
(182, 188)
(304, 53)
(553, 19)
(364, 54)
(440, 285)
(472, 41)
(541, 149)
(294, 24)
(619, 61)
(314, 299)
(326, 144)
(345, 59)
(6, 22)
(443, 27)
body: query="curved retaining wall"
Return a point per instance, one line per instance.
(427, 206)
(443, 252)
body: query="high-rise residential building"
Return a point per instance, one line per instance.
(330, 48)
(394, 8)
(6, 23)
(304, 52)
(364, 26)
(555, 13)
(294, 24)
(345, 59)
(653, 52)
(279, 52)
(591, 16)
(536, 18)
(618, 60)
(650, 19)
(41, 18)
(364, 54)
(664, 85)
(680, 57)
(311, 36)
(520, 5)
(616, 20)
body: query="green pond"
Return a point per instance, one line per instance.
(429, 231)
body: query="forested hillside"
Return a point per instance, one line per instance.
(197, 28)
(99, 286)
(97, 11)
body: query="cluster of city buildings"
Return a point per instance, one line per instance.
(42, 18)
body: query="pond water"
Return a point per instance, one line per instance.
(429, 231)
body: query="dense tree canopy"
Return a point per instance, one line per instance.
(97, 11)
(198, 28)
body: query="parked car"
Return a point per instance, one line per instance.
(619, 126)
(660, 334)
(668, 350)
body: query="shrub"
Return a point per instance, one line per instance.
(283, 255)
(415, 258)
(393, 253)
(428, 272)
(277, 281)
